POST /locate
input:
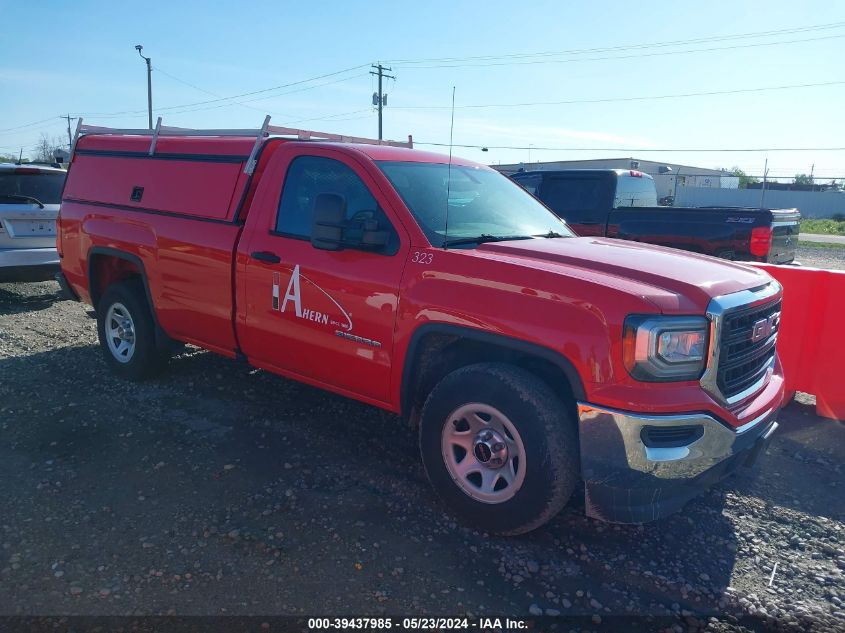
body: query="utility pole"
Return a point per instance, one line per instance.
(149, 60)
(69, 136)
(765, 178)
(379, 98)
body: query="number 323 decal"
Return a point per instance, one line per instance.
(421, 257)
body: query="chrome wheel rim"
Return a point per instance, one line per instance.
(120, 332)
(483, 453)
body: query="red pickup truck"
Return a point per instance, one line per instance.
(531, 360)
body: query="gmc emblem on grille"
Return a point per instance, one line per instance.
(764, 328)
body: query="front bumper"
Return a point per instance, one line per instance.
(28, 264)
(630, 478)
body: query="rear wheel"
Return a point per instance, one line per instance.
(500, 447)
(127, 332)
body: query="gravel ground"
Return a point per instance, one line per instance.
(821, 257)
(220, 489)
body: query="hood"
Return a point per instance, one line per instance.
(673, 280)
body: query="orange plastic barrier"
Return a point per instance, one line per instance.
(811, 342)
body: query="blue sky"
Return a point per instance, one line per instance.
(79, 58)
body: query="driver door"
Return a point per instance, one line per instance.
(323, 316)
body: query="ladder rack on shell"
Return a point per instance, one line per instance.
(260, 134)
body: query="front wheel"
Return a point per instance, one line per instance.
(127, 332)
(500, 447)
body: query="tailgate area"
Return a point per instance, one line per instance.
(27, 226)
(786, 225)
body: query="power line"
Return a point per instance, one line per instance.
(238, 96)
(266, 90)
(182, 81)
(618, 99)
(332, 117)
(186, 109)
(213, 94)
(329, 117)
(469, 106)
(613, 57)
(770, 176)
(688, 41)
(639, 150)
(10, 130)
(227, 105)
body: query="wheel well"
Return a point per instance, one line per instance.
(436, 354)
(104, 270)
(108, 266)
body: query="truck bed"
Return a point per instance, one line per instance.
(144, 206)
(720, 231)
(620, 203)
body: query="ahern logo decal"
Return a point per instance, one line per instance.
(317, 305)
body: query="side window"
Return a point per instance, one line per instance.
(309, 176)
(530, 183)
(573, 194)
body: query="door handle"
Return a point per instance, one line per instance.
(266, 256)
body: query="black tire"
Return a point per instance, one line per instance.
(147, 360)
(547, 430)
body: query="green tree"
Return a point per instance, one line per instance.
(13, 158)
(802, 179)
(744, 179)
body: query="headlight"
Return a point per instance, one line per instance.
(665, 348)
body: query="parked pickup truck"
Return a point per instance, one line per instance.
(622, 203)
(531, 359)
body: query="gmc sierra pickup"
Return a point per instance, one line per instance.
(622, 203)
(530, 359)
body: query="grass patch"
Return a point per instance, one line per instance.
(825, 227)
(820, 244)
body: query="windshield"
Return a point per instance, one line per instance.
(482, 203)
(44, 187)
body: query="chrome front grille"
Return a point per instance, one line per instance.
(743, 362)
(743, 336)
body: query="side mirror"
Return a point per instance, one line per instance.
(327, 222)
(372, 237)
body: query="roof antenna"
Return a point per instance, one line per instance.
(449, 173)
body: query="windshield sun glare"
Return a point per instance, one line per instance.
(482, 203)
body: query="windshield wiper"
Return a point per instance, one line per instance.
(484, 237)
(14, 196)
(550, 235)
